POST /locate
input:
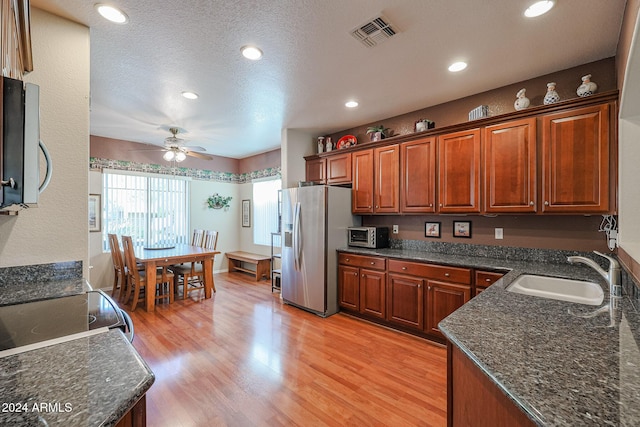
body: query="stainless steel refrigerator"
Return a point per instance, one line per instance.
(314, 224)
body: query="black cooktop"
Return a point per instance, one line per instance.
(38, 321)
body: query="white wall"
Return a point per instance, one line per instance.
(629, 149)
(57, 230)
(295, 145)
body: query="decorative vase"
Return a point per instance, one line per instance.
(328, 145)
(587, 88)
(376, 136)
(320, 144)
(522, 101)
(552, 96)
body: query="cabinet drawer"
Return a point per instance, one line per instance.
(450, 274)
(375, 263)
(487, 278)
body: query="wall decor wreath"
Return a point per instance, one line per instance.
(217, 201)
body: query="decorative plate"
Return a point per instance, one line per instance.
(346, 142)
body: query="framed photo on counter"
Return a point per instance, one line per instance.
(95, 213)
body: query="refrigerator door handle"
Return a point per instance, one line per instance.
(296, 237)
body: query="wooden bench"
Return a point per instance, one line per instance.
(262, 263)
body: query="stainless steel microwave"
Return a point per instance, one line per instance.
(368, 237)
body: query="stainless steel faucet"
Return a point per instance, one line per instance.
(612, 276)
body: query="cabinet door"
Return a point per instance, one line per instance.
(386, 175)
(372, 293)
(459, 163)
(510, 167)
(442, 300)
(315, 170)
(418, 176)
(405, 301)
(575, 160)
(339, 169)
(362, 175)
(349, 287)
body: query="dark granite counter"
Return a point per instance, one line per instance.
(560, 362)
(90, 381)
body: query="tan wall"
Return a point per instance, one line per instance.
(270, 159)
(626, 36)
(58, 229)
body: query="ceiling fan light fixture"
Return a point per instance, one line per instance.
(539, 8)
(112, 13)
(169, 155)
(180, 156)
(251, 52)
(189, 95)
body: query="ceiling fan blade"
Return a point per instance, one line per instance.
(198, 155)
(194, 148)
(149, 149)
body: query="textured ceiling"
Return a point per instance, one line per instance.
(312, 64)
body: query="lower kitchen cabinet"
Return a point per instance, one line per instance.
(442, 300)
(475, 400)
(484, 279)
(136, 416)
(405, 301)
(362, 285)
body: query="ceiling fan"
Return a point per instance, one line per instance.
(176, 150)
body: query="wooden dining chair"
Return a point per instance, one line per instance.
(198, 237)
(119, 270)
(138, 280)
(191, 274)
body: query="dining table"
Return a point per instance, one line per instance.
(165, 255)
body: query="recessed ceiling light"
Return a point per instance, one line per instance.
(457, 66)
(539, 8)
(351, 104)
(190, 95)
(111, 13)
(251, 52)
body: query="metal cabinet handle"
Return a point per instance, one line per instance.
(348, 259)
(362, 274)
(430, 205)
(429, 288)
(419, 285)
(446, 275)
(355, 274)
(373, 263)
(546, 203)
(404, 268)
(531, 203)
(487, 280)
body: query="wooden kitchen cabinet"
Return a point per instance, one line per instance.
(418, 176)
(405, 301)
(474, 399)
(576, 159)
(509, 167)
(375, 184)
(362, 284)
(442, 299)
(315, 170)
(459, 172)
(484, 279)
(136, 416)
(339, 169)
(362, 184)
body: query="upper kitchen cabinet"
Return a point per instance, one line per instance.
(386, 163)
(375, 180)
(418, 176)
(509, 165)
(339, 169)
(459, 177)
(362, 186)
(315, 170)
(576, 160)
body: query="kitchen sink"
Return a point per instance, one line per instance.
(577, 291)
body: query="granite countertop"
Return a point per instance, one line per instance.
(90, 381)
(559, 367)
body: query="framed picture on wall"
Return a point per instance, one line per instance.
(462, 229)
(432, 229)
(95, 213)
(246, 213)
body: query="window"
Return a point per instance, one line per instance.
(265, 210)
(152, 209)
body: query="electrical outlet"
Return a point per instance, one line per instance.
(395, 229)
(499, 233)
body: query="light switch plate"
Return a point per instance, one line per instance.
(499, 234)
(395, 229)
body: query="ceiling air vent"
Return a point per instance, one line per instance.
(374, 32)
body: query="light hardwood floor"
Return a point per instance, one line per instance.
(243, 358)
